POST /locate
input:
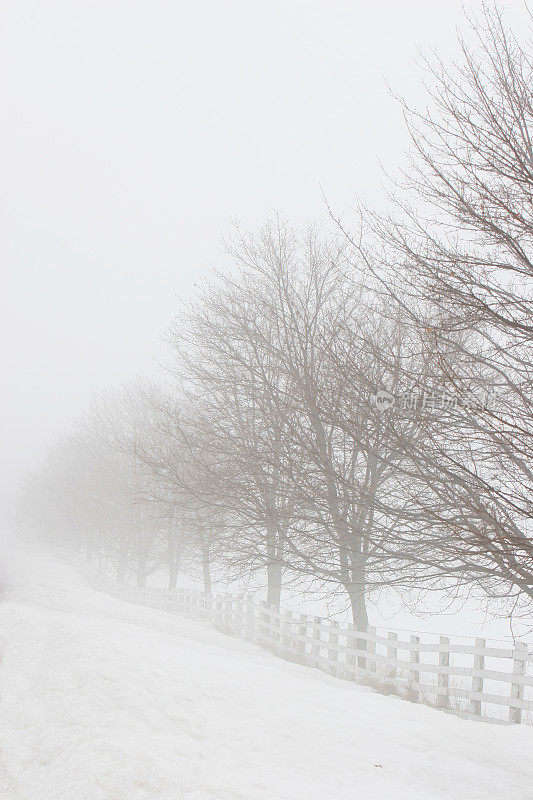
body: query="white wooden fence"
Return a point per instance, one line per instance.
(475, 679)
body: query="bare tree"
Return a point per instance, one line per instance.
(281, 363)
(461, 240)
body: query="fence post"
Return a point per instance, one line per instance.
(302, 635)
(443, 679)
(238, 617)
(414, 674)
(228, 612)
(517, 689)
(392, 653)
(333, 651)
(172, 600)
(477, 681)
(250, 618)
(370, 647)
(358, 648)
(264, 622)
(361, 649)
(219, 616)
(275, 629)
(351, 653)
(286, 634)
(315, 643)
(208, 608)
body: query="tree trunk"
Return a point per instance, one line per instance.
(173, 571)
(273, 585)
(141, 573)
(206, 569)
(174, 551)
(359, 612)
(274, 569)
(360, 620)
(173, 575)
(122, 568)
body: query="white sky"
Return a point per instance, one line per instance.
(133, 132)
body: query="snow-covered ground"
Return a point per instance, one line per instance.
(103, 700)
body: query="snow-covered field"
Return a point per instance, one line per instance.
(102, 700)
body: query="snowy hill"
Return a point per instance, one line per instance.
(103, 700)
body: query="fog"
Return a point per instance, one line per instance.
(134, 133)
(267, 431)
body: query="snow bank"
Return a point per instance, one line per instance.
(103, 700)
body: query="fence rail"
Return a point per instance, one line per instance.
(477, 680)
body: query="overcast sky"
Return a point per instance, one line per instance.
(133, 132)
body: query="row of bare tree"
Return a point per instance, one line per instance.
(350, 412)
